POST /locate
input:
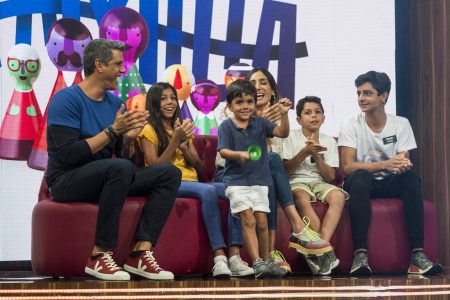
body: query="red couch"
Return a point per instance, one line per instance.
(63, 233)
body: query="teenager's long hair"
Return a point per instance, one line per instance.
(153, 105)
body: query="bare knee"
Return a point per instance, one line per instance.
(336, 199)
(247, 219)
(261, 221)
(302, 201)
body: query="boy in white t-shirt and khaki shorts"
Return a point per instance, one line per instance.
(311, 159)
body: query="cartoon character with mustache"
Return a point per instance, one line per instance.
(65, 42)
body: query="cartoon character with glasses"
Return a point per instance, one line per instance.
(23, 116)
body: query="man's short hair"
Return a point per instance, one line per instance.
(100, 49)
(239, 87)
(379, 80)
(301, 104)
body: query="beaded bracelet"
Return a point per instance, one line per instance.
(111, 133)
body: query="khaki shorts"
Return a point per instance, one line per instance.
(253, 197)
(318, 190)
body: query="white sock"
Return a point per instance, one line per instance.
(297, 235)
(220, 258)
(233, 257)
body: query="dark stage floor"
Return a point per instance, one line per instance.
(26, 285)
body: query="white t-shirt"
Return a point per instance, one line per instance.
(397, 136)
(307, 171)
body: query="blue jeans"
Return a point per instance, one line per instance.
(209, 194)
(280, 189)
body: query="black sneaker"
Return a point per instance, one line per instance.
(421, 265)
(327, 263)
(360, 266)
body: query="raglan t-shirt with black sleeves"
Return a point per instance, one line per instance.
(396, 136)
(73, 117)
(233, 137)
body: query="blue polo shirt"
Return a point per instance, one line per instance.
(239, 139)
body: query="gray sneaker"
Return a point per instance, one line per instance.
(327, 263)
(276, 271)
(421, 265)
(261, 269)
(313, 263)
(280, 261)
(360, 266)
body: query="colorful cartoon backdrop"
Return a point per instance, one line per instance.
(312, 48)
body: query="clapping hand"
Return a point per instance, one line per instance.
(313, 147)
(285, 105)
(130, 123)
(183, 131)
(272, 112)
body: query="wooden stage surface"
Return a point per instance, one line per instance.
(25, 285)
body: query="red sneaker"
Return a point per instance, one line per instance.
(104, 267)
(145, 265)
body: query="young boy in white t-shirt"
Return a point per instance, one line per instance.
(311, 159)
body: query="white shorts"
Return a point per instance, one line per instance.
(254, 197)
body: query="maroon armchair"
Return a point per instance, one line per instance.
(63, 233)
